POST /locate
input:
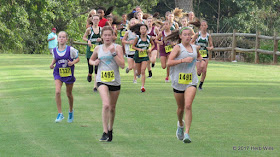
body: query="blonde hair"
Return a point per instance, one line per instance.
(133, 19)
(65, 34)
(92, 12)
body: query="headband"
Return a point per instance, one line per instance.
(184, 28)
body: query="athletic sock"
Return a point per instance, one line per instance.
(153, 65)
(150, 73)
(200, 85)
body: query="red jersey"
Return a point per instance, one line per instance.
(102, 22)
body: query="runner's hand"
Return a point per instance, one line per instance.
(89, 43)
(187, 60)
(97, 61)
(70, 63)
(51, 66)
(209, 48)
(99, 39)
(112, 48)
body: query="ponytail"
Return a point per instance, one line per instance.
(136, 28)
(175, 35)
(196, 22)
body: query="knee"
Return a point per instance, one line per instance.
(180, 110)
(106, 106)
(163, 66)
(112, 108)
(188, 107)
(57, 92)
(69, 94)
(142, 71)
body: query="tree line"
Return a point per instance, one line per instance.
(25, 24)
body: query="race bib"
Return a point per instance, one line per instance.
(92, 47)
(168, 48)
(107, 76)
(130, 48)
(123, 33)
(203, 53)
(65, 72)
(142, 53)
(185, 78)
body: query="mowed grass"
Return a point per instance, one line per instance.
(239, 107)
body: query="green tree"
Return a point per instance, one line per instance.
(25, 24)
(257, 15)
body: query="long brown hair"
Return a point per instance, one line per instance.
(196, 22)
(175, 36)
(136, 28)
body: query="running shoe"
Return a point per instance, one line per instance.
(89, 78)
(94, 89)
(134, 81)
(180, 131)
(166, 79)
(187, 138)
(110, 135)
(59, 118)
(104, 137)
(70, 117)
(143, 89)
(127, 70)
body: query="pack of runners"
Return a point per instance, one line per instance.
(180, 40)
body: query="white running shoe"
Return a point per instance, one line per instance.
(59, 118)
(180, 131)
(187, 138)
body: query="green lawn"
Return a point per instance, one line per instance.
(239, 106)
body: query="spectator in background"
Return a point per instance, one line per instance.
(52, 40)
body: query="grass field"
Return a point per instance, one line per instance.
(239, 107)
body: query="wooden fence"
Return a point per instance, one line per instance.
(234, 48)
(72, 42)
(256, 50)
